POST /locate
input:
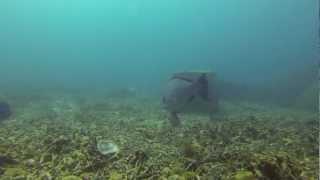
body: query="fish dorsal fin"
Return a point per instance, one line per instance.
(182, 78)
(198, 84)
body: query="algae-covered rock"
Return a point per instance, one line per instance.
(46, 157)
(115, 176)
(190, 175)
(69, 163)
(193, 150)
(138, 158)
(14, 172)
(244, 175)
(87, 176)
(176, 177)
(30, 163)
(166, 172)
(277, 166)
(57, 145)
(45, 175)
(71, 177)
(5, 160)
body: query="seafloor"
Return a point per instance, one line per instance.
(56, 137)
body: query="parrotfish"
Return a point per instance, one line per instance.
(5, 111)
(190, 92)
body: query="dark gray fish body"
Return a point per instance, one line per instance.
(5, 111)
(190, 92)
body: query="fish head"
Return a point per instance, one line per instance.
(5, 110)
(178, 94)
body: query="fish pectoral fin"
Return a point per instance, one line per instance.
(203, 87)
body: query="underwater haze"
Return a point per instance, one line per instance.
(139, 43)
(82, 84)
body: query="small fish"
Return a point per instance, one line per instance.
(190, 92)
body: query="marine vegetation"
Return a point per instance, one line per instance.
(103, 138)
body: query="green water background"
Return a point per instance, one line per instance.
(267, 49)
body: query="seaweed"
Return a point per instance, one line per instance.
(250, 141)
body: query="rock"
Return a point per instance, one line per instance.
(115, 176)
